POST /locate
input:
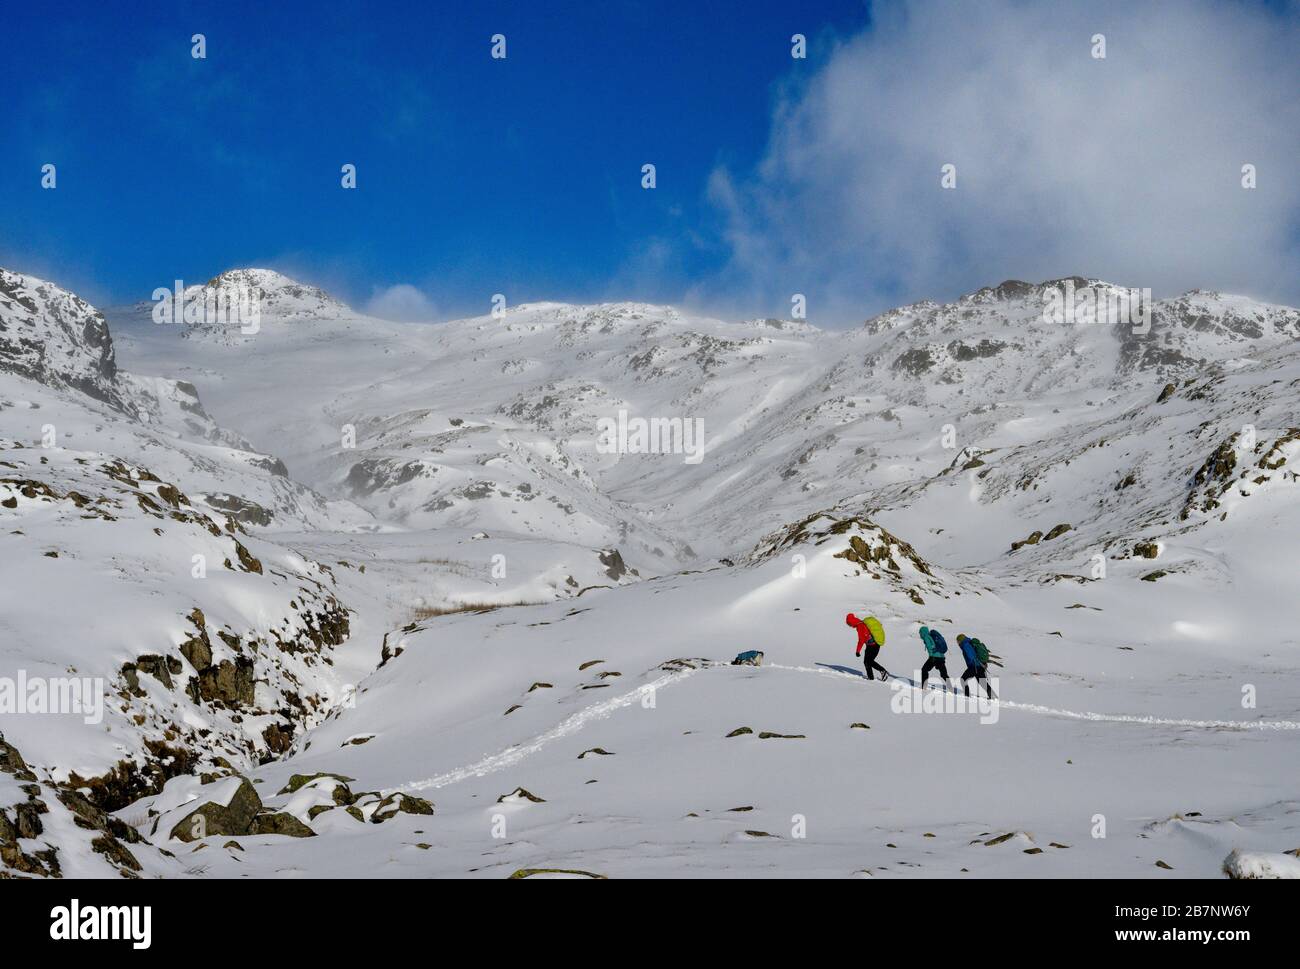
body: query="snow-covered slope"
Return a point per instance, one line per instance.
(1100, 503)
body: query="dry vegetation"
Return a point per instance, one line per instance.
(420, 613)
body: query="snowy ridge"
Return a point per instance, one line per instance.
(458, 586)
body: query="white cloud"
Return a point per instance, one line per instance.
(1127, 168)
(402, 303)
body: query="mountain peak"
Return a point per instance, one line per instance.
(230, 300)
(283, 295)
(49, 335)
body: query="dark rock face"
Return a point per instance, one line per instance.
(400, 803)
(158, 667)
(615, 567)
(129, 781)
(229, 682)
(274, 465)
(1014, 289)
(915, 362)
(278, 738)
(27, 824)
(963, 352)
(211, 818)
(368, 476)
(1033, 539)
(198, 649)
(282, 823)
(247, 561)
(297, 781)
(1212, 479)
(243, 511)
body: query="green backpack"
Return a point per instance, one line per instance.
(981, 652)
(877, 631)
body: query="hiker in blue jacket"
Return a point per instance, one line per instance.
(976, 655)
(936, 651)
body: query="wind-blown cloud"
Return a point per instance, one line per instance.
(1127, 168)
(402, 303)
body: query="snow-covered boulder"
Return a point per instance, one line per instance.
(1261, 864)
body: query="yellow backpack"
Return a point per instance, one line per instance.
(877, 631)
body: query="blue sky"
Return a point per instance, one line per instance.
(475, 175)
(775, 175)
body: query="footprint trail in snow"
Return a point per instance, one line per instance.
(598, 711)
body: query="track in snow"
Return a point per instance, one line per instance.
(1084, 714)
(598, 711)
(570, 725)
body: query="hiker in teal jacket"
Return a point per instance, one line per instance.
(936, 651)
(976, 655)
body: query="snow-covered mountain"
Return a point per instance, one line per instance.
(1104, 503)
(49, 335)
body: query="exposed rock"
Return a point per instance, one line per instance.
(231, 683)
(55, 338)
(157, 667)
(115, 852)
(198, 649)
(400, 803)
(240, 509)
(128, 780)
(278, 738)
(1033, 539)
(280, 822)
(246, 560)
(212, 818)
(298, 780)
(1211, 479)
(530, 872)
(615, 567)
(519, 794)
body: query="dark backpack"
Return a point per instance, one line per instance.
(981, 652)
(940, 644)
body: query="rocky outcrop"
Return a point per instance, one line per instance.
(231, 812)
(281, 823)
(51, 336)
(22, 821)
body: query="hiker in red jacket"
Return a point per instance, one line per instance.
(868, 642)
